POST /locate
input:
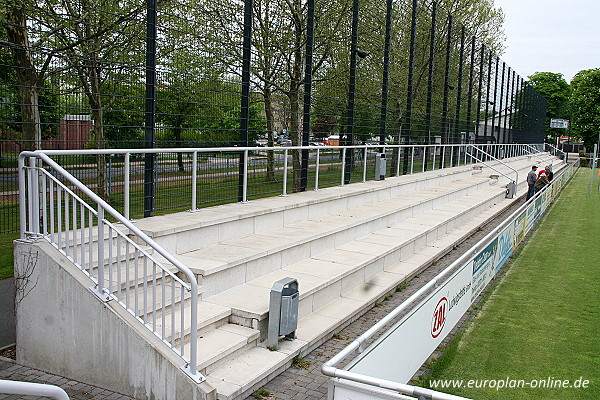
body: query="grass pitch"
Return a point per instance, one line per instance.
(541, 325)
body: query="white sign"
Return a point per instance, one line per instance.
(559, 123)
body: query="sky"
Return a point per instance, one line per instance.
(551, 35)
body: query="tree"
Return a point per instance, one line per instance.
(557, 91)
(585, 105)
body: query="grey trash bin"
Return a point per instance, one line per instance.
(283, 311)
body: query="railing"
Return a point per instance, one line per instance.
(105, 244)
(323, 163)
(330, 368)
(515, 181)
(556, 151)
(100, 249)
(33, 389)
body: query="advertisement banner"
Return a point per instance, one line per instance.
(405, 347)
(506, 243)
(520, 228)
(484, 268)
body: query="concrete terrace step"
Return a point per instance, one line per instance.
(237, 261)
(244, 374)
(185, 232)
(333, 272)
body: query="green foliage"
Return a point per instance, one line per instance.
(261, 394)
(585, 103)
(557, 91)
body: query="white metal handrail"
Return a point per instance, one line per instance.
(330, 368)
(32, 389)
(515, 181)
(72, 241)
(412, 151)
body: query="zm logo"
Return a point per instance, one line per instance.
(439, 317)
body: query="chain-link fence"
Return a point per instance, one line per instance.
(176, 73)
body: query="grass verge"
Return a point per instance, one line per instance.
(541, 325)
(6, 254)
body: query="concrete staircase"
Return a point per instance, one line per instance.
(347, 246)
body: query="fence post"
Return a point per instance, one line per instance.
(470, 93)
(444, 128)
(385, 80)
(479, 92)
(459, 94)
(310, 26)
(409, 90)
(430, 79)
(349, 131)
(150, 114)
(245, 106)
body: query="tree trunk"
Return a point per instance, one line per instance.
(27, 78)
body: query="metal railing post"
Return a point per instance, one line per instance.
(343, 165)
(22, 197)
(194, 180)
(34, 197)
(100, 288)
(126, 188)
(245, 182)
(317, 169)
(365, 165)
(285, 172)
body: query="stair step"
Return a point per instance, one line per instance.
(223, 344)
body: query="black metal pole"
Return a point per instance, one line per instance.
(406, 127)
(487, 96)
(493, 102)
(310, 28)
(385, 80)
(430, 81)
(509, 105)
(150, 114)
(457, 124)
(349, 131)
(245, 106)
(444, 129)
(470, 95)
(500, 132)
(479, 93)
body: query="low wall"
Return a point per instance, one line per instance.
(63, 328)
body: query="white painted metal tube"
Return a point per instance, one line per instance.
(136, 231)
(22, 198)
(194, 179)
(501, 162)
(126, 187)
(32, 389)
